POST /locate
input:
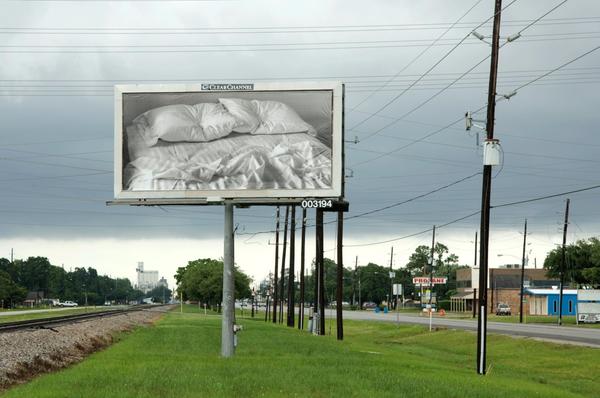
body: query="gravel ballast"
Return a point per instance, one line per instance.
(27, 353)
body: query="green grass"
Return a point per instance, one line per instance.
(179, 357)
(48, 314)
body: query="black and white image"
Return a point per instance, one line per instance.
(273, 143)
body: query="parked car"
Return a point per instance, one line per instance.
(68, 304)
(503, 309)
(369, 304)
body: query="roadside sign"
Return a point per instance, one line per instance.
(392, 274)
(397, 289)
(426, 281)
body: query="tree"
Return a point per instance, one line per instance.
(445, 264)
(202, 280)
(160, 294)
(582, 265)
(374, 282)
(10, 292)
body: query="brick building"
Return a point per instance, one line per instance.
(504, 286)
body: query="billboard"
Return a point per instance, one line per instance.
(255, 142)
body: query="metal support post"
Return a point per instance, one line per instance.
(227, 335)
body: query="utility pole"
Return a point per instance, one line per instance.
(523, 272)
(340, 274)
(475, 261)
(391, 280)
(302, 259)
(291, 287)
(12, 252)
(354, 281)
(275, 281)
(321, 271)
(485, 197)
(431, 267)
(563, 263)
(282, 279)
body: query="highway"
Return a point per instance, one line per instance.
(561, 334)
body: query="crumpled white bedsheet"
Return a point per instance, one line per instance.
(238, 161)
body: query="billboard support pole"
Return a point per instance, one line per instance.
(321, 271)
(275, 281)
(291, 270)
(340, 275)
(227, 336)
(285, 229)
(302, 260)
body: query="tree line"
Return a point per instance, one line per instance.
(36, 274)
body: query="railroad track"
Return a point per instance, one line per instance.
(47, 323)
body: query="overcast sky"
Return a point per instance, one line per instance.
(61, 58)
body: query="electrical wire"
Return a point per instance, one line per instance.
(412, 61)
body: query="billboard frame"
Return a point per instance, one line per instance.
(239, 196)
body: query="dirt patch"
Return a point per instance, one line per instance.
(28, 353)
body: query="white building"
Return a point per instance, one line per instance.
(146, 280)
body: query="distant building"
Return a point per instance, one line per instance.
(146, 280)
(163, 282)
(504, 287)
(547, 301)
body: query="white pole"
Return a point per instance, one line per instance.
(227, 335)
(430, 316)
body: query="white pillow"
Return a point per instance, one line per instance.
(215, 121)
(278, 118)
(243, 111)
(180, 123)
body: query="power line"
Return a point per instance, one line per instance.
(395, 98)
(413, 61)
(420, 105)
(546, 197)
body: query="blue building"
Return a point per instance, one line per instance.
(547, 301)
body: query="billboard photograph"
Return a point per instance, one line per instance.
(263, 141)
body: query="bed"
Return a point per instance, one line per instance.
(235, 162)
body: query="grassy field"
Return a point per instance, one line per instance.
(48, 314)
(179, 357)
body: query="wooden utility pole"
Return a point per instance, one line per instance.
(340, 274)
(485, 197)
(354, 281)
(475, 261)
(391, 281)
(321, 271)
(302, 259)
(563, 263)
(431, 267)
(291, 272)
(523, 272)
(275, 281)
(287, 215)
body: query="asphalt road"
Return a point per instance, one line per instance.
(563, 334)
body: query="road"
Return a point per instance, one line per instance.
(564, 334)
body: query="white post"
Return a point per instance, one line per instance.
(227, 335)
(430, 316)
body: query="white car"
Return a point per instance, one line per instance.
(68, 304)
